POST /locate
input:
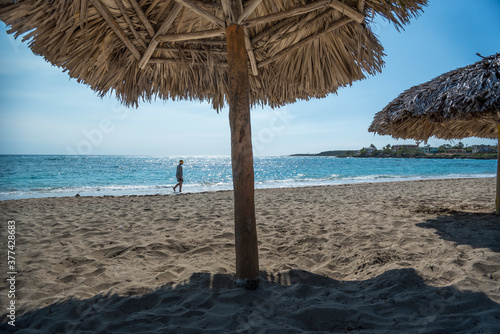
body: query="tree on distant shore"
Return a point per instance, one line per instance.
(407, 152)
(443, 148)
(387, 150)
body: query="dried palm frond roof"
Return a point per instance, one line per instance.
(461, 103)
(176, 49)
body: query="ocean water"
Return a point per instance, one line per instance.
(33, 176)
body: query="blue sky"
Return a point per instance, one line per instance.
(43, 111)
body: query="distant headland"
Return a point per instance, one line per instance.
(459, 151)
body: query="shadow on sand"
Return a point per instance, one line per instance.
(479, 230)
(397, 301)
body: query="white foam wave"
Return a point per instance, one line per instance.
(121, 190)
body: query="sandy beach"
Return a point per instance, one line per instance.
(397, 257)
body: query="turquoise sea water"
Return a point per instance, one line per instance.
(32, 176)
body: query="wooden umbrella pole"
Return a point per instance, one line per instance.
(497, 203)
(247, 258)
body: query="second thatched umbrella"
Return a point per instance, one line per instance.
(243, 52)
(461, 103)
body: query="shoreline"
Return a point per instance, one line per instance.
(451, 157)
(315, 183)
(366, 256)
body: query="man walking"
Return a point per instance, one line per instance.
(179, 177)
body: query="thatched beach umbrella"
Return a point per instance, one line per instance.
(244, 53)
(461, 103)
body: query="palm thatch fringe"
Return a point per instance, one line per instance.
(296, 51)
